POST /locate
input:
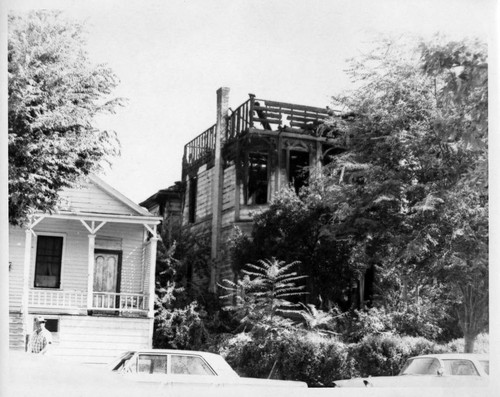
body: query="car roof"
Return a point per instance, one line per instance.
(171, 351)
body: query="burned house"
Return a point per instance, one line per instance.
(232, 170)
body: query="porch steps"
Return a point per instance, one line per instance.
(16, 335)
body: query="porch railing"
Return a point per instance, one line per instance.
(57, 299)
(119, 301)
(48, 299)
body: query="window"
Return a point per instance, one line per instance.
(459, 367)
(257, 179)
(486, 365)
(421, 366)
(152, 364)
(48, 261)
(189, 365)
(193, 188)
(298, 174)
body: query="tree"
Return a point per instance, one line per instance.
(54, 95)
(298, 230)
(265, 293)
(417, 146)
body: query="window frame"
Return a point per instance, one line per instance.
(192, 198)
(246, 191)
(289, 178)
(63, 260)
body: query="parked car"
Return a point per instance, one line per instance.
(183, 368)
(45, 375)
(433, 370)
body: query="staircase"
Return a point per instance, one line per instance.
(16, 335)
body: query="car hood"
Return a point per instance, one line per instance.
(414, 381)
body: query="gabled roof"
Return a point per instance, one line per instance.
(119, 196)
(171, 193)
(95, 199)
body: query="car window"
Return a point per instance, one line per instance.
(152, 363)
(459, 367)
(421, 366)
(486, 365)
(189, 365)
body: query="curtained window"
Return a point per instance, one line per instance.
(48, 261)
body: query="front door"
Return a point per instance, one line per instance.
(106, 279)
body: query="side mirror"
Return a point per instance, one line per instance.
(440, 371)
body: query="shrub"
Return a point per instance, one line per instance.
(481, 345)
(305, 356)
(180, 328)
(384, 355)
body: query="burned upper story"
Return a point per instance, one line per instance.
(270, 144)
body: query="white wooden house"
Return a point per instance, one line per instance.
(89, 269)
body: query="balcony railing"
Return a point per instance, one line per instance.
(106, 301)
(263, 114)
(201, 147)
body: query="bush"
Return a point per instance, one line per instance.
(180, 328)
(384, 355)
(305, 356)
(481, 345)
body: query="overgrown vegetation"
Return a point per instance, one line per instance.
(384, 255)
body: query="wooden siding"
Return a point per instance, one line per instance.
(100, 339)
(204, 196)
(146, 259)
(16, 260)
(228, 196)
(89, 197)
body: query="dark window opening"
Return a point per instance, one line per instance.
(298, 172)
(51, 324)
(48, 262)
(257, 179)
(193, 190)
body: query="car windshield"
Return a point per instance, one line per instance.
(421, 366)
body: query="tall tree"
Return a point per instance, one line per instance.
(416, 146)
(54, 95)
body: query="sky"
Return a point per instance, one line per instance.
(172, 56)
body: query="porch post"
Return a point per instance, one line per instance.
(90, 278)
(26, 278)
(152, 273)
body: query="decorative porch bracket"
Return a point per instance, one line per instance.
(92, 228)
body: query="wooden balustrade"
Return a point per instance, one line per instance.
(260, 114)
(57, 299)
(200, 147)
(119, 301)
(78, 300)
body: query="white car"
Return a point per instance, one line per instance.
(433, 370)
(178, 368)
